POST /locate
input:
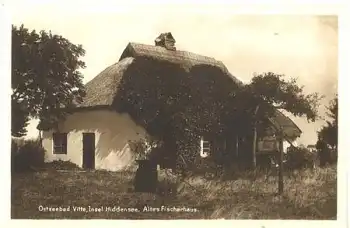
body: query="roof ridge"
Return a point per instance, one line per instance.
(177, 55)
(176, 51)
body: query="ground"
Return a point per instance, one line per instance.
(308, 195)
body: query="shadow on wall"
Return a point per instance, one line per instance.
(112, 133)
(113, 151)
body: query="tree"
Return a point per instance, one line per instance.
(268, 92)
(328, 135)
(45, 77)
(330, 131)
(20, 122)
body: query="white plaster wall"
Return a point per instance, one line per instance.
(112, 133)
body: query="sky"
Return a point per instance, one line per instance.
(301, 46)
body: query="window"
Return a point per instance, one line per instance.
(60, 143)
(267, 144)
(205, 148)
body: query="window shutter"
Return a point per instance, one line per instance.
(64, 142)
(56, 140)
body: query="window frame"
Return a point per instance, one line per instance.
(61, 146)
(205, 150)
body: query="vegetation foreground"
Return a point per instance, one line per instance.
(308, 195)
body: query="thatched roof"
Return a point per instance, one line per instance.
(184, 58)
(101, 90)
(290, 129)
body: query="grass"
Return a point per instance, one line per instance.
(311, 194)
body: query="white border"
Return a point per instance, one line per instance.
(269, 7)
(5, 89)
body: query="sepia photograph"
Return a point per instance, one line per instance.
(159, 112)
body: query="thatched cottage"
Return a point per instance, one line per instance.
(96, 136)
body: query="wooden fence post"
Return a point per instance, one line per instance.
(280, 164)
(254, 146)
(255, 137)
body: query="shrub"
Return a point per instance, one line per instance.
(167, 183)
(145, 148)
(334, 156)
(300, 157)
(62, 165)
(26, 155)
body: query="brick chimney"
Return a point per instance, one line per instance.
(166, 40)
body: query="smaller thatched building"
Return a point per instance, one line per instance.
(95, 135)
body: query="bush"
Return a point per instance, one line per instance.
(62, 165)
(167, 183)
(334, 156)
(26, 155)
(145, 148)
(300, 157)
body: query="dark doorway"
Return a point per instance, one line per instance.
(89, 150)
